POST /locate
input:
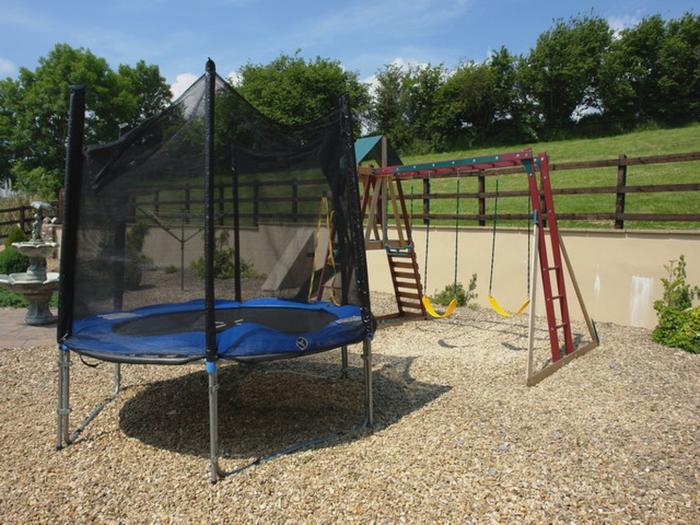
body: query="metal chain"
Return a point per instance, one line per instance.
(493, 238)
(427, 246)
(456, 238)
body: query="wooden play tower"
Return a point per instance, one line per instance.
(387, 227)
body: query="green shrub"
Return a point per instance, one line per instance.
(15, 234)
(170, 269)
(677, 293)
(135, 260)
(11, 261)
(224, 267)
(10, 299)
(678, 323)
(464, 297)
(132, 273)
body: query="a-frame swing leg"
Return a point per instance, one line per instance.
(532, 377)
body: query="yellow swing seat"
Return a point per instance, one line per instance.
(502, 311)
(434, 313)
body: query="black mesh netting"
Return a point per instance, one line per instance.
(141, 221)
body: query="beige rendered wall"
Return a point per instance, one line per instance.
(618, 271)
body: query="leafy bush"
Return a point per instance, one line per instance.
(11, 261)
(15, 234)
(464, 297)
(170, 269)
(224, 267)
(10, 299)
(135, 260)
(678, 323)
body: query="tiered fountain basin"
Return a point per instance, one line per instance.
(36, 284)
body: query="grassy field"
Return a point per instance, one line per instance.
(640, 143)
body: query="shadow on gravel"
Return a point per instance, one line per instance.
(271, 406)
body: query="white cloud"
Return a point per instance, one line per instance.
(235, 78)
(414, 17)
(618, 23)
(182, 82)
(7, 67)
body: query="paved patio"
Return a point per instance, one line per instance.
(15, 334)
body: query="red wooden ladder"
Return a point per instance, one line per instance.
(545, 214)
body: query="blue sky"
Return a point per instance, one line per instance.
(363, 34)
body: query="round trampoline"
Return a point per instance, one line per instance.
(257, 330)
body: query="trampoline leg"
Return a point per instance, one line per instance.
(344, 361)
(369, 401)
(62, 432)
(213, 421)
(117, 378)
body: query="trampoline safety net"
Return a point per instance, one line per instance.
(286, 214)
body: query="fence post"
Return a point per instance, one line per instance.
(22, 219)
(481, 178)
(620, 194)
(221, 205)
(426, 200)
(187, 203)
(295, 202)
(156, 202)
(256, 202)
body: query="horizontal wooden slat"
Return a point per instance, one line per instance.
(405, 275)
(406, 295)
(401, 264)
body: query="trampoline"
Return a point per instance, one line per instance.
(257, 330)
(274, 242)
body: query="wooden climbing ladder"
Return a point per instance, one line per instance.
(556, 303)
(382, 201)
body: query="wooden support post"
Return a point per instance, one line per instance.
(256, 202)
(620, 193)
(187, 204)
(481, 178)
(534, 270)
(295, 200)
(221, 204)
(426, 200)
(22, 221)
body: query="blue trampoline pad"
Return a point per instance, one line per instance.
(255, 330)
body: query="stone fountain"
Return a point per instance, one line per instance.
(36, 285)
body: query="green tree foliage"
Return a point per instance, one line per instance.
(469, 102)
(652, 72)
(293, 90)
(408, 107)
(563, 69)
(34, 110)
(387, 110)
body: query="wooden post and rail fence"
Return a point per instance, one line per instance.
(289, 207)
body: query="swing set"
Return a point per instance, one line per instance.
(546, 244)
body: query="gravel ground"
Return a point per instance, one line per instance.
(612, 437)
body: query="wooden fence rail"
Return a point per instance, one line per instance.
(620, 190)
(18, 215)
(291, 199)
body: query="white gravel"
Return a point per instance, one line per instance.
(611, 438)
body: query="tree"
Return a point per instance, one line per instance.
(468, 102)
(652, 72)
(34, 111)
(147, 89)
(630, 73)
(423, 107)
(679, 59)
(563, 69)
(293, 91)
(388, 115)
